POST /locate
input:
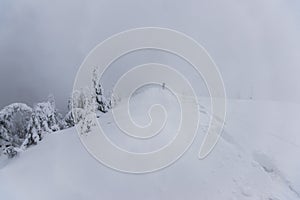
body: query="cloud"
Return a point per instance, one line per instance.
(254, 43)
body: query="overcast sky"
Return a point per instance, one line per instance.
(255, 44)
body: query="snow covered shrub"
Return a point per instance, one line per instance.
(10, 151)
(69, 120)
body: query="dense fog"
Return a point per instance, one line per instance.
(255, 44)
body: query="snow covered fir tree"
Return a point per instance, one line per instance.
(102, 103)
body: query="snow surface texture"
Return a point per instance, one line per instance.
(256, 158)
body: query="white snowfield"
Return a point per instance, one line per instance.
(256, 158)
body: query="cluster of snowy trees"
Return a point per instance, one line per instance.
(84, 103)
(22, 126)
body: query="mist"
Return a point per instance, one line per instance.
(255, 44)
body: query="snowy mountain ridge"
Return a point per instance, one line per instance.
(256, 158)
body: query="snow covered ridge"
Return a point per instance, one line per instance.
(256, 159)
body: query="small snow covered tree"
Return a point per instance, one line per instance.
(34, 131)
(76, 104)
(46, 116)
(69, 120)
(55, 118)
(102, 104)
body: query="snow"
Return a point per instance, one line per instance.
(256, 158)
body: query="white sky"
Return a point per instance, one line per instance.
(256, 44)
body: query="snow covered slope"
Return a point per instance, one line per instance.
(256, 158)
